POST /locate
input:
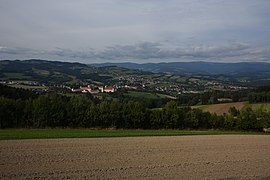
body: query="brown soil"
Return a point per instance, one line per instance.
(186, 157)
(220, 109)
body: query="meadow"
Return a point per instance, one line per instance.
(148, 95)
(262, 106)
(27, 86)
(144, 95)
(10, 134)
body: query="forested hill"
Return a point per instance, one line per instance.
(55, 72)
(207, 68)
(41, 70)
(58, 72)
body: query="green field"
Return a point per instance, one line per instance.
(257, 106)
(13, 76)
(160, 85)
(201, 107)
(27, 86)
(147, 95)
(41, 72)
(87, 133)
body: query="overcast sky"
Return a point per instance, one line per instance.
(93, 31)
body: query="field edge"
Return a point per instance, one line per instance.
(15, 134)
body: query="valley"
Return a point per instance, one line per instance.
(39, 94)
(42, 73)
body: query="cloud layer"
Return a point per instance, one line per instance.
(148, 52)
(138, 31)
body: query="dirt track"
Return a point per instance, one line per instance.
(186, 157)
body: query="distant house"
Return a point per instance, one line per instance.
(107, 89)
(76, 90)
(94, 89)
(224, 100)
(101, 88)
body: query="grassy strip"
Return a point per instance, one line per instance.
(257, 106)
(201, 107)
(146, 95)
(86, 133)
(27, 86)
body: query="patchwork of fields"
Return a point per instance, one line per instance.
(185, 157)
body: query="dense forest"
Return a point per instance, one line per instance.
(23, 109)
(262, 94)
(211, 97)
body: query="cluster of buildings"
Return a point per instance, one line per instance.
(95, 89)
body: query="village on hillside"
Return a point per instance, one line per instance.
(95, 89)
(151, 84)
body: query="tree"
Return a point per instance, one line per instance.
(230, 122)
(57, 111)
(7, 113)
(115, 114)
(233, 111)
(92, 116)
(262, 119)
(247, 119)
(105, 120)
(28, 114)
(171, 114)
(156, 118)
(77, 111)
(41, 110)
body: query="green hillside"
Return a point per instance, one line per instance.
(147, 95)
(56, 72)
(262, 106)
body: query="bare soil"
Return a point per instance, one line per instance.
(220, 109)
(182, 157)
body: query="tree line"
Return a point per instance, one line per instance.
(83, 111)
(24, 109)
(211, 97)
(262, 94)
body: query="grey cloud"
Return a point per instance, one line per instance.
(104, 30)
(148, 51)
(68, 53)
(143, 50)
(20, 51)
(64, 54)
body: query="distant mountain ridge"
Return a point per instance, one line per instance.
(58, 72)
(75, 73)
(205, 68)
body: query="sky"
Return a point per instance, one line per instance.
(141, 31)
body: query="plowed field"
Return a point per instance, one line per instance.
(183, 157)
(220, 109)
